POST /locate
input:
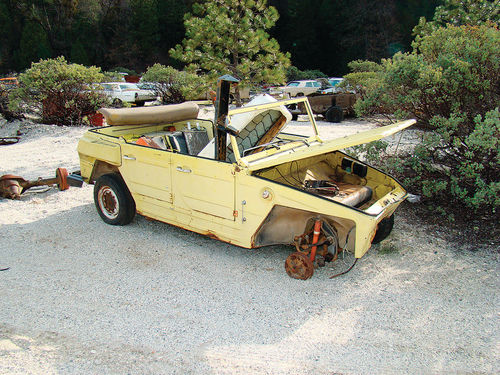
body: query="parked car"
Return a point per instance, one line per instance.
(120, 92)
(9, 83)
(332, 86)
(301, 88)
(267, 187)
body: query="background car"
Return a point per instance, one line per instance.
(120, 92)
(9, 83)
(331, 86)
(301, 88)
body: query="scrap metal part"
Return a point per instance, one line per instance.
(8, 140)
(13, 186)
(10, 186)
(299, 266)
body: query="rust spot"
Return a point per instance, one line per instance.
(10, 186)
(212, 235)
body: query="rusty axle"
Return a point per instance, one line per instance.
(13, 186)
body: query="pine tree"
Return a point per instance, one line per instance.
(230, 37)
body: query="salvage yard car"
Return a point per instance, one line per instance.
(301, 88)
(243, 181)
(120, 92)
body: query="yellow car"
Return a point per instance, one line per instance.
(266, 187)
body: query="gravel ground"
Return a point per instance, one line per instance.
(83, 297)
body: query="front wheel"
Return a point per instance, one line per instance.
(113, 200)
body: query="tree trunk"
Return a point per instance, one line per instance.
(237, 97)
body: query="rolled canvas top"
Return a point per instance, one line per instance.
(150, 115)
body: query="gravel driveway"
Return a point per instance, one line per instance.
(83, 297)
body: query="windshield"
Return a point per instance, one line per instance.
(334, 81)
(258, 137)
(129, 86)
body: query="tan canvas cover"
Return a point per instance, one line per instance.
(161, 114)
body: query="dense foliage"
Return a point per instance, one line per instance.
(61, 93)
(293, 73)
(319, 34)
(451, 84)
(230, 37)
(174, 86)
(460, 12)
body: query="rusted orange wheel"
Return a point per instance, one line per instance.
(62, 179)
(299, 266)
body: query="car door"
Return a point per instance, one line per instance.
(148, 175)
(203, 187)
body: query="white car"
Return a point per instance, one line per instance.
(301, 88)
(120, 92)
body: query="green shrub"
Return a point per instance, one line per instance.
(451, 84)
(8, 113)
(366, 77)
(293, 74)
(62, 93)
(121, 69)
(112, 76)
(175, 86)
(458, 13)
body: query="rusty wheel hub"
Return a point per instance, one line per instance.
(299, 266)
(62, 179)
(108, 202)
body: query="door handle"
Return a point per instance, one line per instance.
(180, 169)
(126, 157)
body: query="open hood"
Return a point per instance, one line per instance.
(315, 146)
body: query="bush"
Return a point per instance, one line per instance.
(451, 84)
(365, 77)
(121, 69)
(61, 92)
(4, 105)
(293, 74)
(112, 76)
(175, 86)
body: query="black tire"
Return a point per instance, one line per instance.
(295, 116)
(300, 94)
(334, 114)
(117, 103)
(113, 200)
(140, 103)
(384, 229)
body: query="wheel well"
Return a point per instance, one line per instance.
(102, 168)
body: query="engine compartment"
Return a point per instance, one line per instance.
(334, 176)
